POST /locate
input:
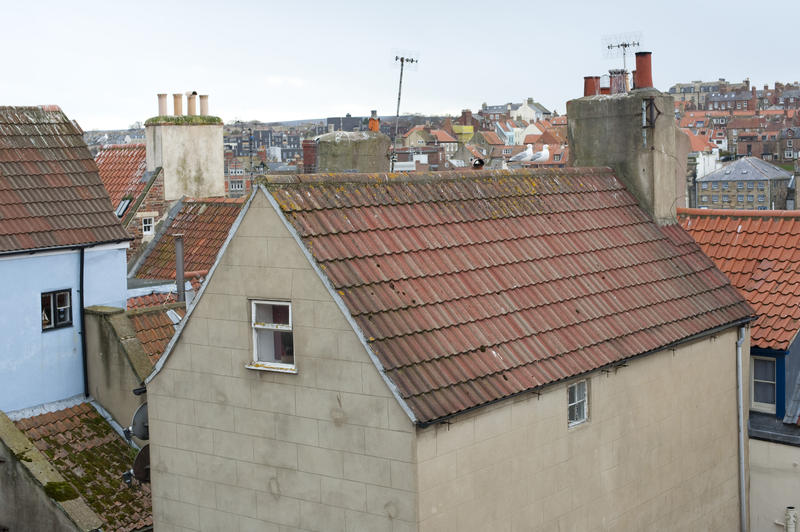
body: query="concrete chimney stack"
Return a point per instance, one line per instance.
(177, 104)
(162, 105)
(204, 104)
(644, 70)
(191, 103)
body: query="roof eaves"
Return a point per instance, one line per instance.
(195, 300)
(342, 307)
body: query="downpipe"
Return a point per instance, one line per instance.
(740, 409)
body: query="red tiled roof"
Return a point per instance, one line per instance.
(152, 300)
(698, 143)
(413, 129)
(442, 136)
(476, 286)
(91, 457)
(532, 139)
(205, 224)
(154, 329)
(50, 192)
(121, 167)
(760, 253)
(491, 138)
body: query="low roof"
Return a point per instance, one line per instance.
(121, 168)
(760, 253)
(204, 224)
(155, 327)
(470, 287)
(91, 457)
(747, 169)
(51, 195)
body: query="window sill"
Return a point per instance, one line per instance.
(573, 424)
(276, 367)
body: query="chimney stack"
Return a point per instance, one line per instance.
(177, 104)
(591, 85)
(309, 156)
(644, 72)
(618, 81)
(204, 104)
(162, 105)
(374, 122)
(191, 107)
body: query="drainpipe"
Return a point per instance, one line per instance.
(83, 329)
(740, 409)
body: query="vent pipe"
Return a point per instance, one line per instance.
(162, 105)
(644, 71)
(177, 104)
(191, 103)
(204, 104)
(179, 277)
(790, 519)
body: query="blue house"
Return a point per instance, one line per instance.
(62, 248)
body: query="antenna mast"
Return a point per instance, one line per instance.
(624, 47)
(403, 60)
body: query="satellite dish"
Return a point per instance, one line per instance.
(141, 466)
(139, 425)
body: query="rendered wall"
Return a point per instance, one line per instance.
(774, 482)
(364, 151)
(651, 162)
(191, 157)
(328, 449)
(659, 452)
(43, 366)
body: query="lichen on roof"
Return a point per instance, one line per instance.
(183, 120)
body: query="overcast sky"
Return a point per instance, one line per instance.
(104, 62)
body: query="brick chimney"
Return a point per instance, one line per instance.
(636, 135)
(309, 156)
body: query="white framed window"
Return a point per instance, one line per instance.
(236, 184)
(56, 309)
(704, 198)
(147, 225)
(704, 186)
(762, 384)
(726, 198)
(740, 198)
(725, 186)
(788, 143)
(762, 198)
(788, 154)
(750, 197)
(577, 403)
(273, 344)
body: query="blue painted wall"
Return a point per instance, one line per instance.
(42, 366)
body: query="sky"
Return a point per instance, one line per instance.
(103, 62)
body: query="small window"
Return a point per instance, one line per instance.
(56, 309)
(788, 143)
(762, 392)
(725, 186)
(788, 154)
(761, 185)
(762, 198)
(739, 186)
(750, 197)
(715, 185)
(750, 184)
(578, 404)
(714, 198)
(704, 199)
(147, 225)
(236, 184)
(726, 198)
(740, 198)
(703, 186)
(557, 157)
(273, 345)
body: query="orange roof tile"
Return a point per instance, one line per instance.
(121, 167)
(760, 253)
(91, 457)
(442, 136)
(154, 329)
(491, 138)
(204, 224)
(532, 139)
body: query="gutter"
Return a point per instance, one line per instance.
(741, 428)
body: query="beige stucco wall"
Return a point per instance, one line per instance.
(191, 156)
(328, 449)
(659, 452)
(774, 482)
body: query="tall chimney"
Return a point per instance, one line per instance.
(179, 281)
(644, 72)
(162, 105)
(191, 107)
(177, 104)
(204, 104)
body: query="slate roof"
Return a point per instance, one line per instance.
(121, 168)
(204, 224)
(759, 251)
(747, 169)
(475, 286)
(86, 451)
(50, 193)
(154, 329)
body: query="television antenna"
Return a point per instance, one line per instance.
(403, 58)
(621, 44)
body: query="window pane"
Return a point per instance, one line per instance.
(764, 370)
(62, 299)
(265, 345)
(274, 346)
(47, 311)
(571, 395)
(573, 413)
(266, 313)
(581, 390)
(764, 392)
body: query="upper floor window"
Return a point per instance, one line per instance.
(147, 225)
(56, 309)
(578, 403)
(762, 391)
(273, 344)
